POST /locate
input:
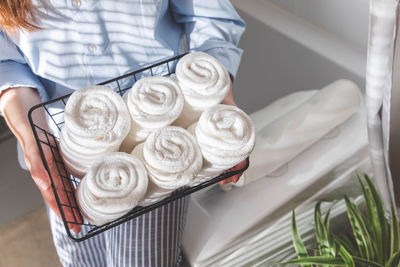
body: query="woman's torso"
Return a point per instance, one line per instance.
(85, 42)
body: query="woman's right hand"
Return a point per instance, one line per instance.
(14, 105)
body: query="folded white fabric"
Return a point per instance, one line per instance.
(280, 107)
(153, 102)
(286, 137)
(172, 158)
(204, 82)
(96, 122)
(226, 136)
(113, 186)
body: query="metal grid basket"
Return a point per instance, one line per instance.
(63, 184)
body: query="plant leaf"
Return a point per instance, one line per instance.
(360, 230)
(326, 220)
(346, 257)
(318, 231)
(326, 244)
(381, 227)
(394, 232)
(394, 260)
(366, 262)
(297, 242)
(348, 244)
(317, 260)
(373, 220)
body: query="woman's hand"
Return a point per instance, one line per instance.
(14, 105)
(62, 184)
(230, 101)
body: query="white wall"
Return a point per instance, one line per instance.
(284, 53)
(348, 19)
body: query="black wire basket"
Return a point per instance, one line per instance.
(63, 184)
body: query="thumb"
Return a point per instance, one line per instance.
(42, 183)
(38, 172)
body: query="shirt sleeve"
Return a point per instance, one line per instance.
(213, 27)
(14, 71)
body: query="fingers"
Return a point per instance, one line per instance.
(63, 185)
(48, 196)
(234, 178)
(65, 192)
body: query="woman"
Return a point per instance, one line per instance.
(49, 48)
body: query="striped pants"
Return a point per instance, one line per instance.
(152, 239)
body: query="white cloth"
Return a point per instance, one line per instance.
(113, 186)
(172, 158)
(226, 136)
(154, 193)
(280, 107)
(204, 82)
(153, 102)
(96, 122)
(263, 117)
(286, 137)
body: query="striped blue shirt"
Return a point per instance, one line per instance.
(85, 42)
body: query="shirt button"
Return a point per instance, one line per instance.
(76, 3)
(92, 48)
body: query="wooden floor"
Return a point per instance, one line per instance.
(27, 241)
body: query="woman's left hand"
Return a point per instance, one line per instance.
(230, 101)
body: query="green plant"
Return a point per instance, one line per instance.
(374, 240)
